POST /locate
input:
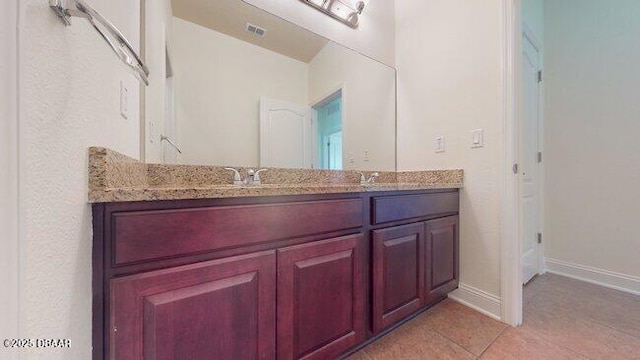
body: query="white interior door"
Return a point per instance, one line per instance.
(286, 135)
(529, 165)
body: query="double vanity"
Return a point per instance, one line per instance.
(185, 269)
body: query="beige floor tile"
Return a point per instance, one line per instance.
(563, 319)
(535, 287)
(612, 308)
(514, 344)
(580, 334)
(417, 344)
(464, 326)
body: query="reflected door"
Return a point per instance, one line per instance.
(529, 147)
(286, 136)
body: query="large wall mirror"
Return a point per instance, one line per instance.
(233, 85)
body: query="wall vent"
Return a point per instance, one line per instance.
(256, 30)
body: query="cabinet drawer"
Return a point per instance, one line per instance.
(397, 208)
(148, 235)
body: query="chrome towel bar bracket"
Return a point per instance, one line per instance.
(114, 38)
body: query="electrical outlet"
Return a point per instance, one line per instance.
(439, 144)
(124, 100)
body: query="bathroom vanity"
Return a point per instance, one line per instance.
(271, 277)
(312, 264)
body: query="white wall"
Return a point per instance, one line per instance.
(374, 37)
(219, 82)
(157, 25)
(9, 244)
(69, 100)
(592, 81)
(449, 83)
(368, 100)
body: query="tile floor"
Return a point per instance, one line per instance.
(563, 319)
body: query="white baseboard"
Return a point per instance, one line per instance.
(627, 283)
(477, 299)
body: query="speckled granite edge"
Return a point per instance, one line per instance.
(451, 177)
(114, 177)
(109, 169)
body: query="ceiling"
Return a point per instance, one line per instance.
(230, 17)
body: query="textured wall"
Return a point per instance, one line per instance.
(449, 83)
(69, 100)
(592, 59)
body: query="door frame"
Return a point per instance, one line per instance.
(10, 259)
(537, 44)
(510, 228)
(511, 30)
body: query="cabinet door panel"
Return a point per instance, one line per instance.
(442, 257)
(320, 298)
(222, 309)
(398, 270)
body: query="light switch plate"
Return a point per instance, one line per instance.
(477, 138)
(439, 144)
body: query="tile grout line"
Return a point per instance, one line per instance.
(462, 346)
(550, 340)
(635, 336)
(493, 341)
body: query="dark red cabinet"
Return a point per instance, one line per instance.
(442, 257)
(398, 274)
(221, 309)
(292, 277)
(321, 298)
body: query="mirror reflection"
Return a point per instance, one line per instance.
(246, 88)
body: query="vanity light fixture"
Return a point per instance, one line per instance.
(345, 11)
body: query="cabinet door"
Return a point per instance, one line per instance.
(321, 289)
(221, 309)
(398, 271)
(442, 257)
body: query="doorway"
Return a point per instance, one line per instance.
(513, 213)
(329, 132)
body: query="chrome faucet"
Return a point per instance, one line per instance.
(253, 177)
(370, 180)
(256, 177)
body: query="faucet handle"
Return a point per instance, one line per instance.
(373, 177)
(363, 179)
(256, 177)
(237, 179)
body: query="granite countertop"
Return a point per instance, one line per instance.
(114, 177)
